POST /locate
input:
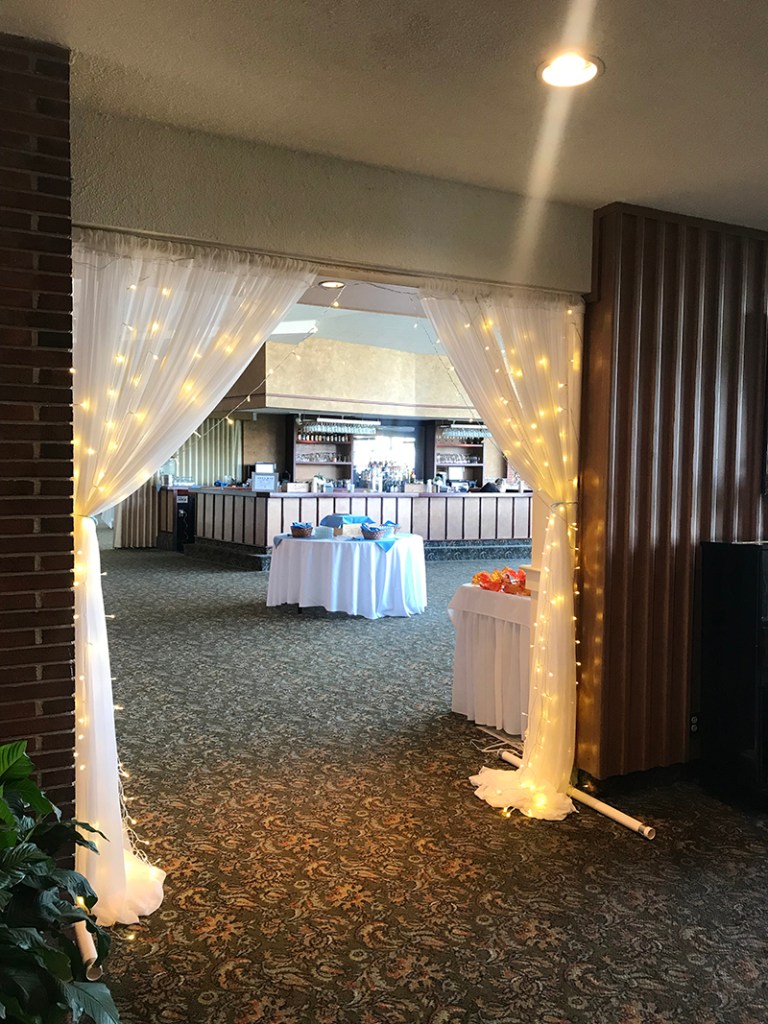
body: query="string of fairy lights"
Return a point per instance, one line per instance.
(528, 443)
(295, 354)
(528, 438)
(152, 376)
(509, 351)
(549, 605)
(419, 323)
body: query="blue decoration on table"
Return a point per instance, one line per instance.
(339, 520)
(386, 541)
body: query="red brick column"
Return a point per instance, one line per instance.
(36, 557)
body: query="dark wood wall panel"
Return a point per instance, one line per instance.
(672, 449)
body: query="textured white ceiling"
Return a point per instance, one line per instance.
(448, 87)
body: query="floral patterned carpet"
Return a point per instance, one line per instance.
(303, 782)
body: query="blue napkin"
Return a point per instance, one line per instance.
(385, 543)
(338, 520)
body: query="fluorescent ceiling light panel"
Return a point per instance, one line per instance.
(296, 327)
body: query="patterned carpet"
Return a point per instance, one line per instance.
(303, 782)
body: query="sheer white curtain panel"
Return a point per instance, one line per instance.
(517, 353)
(161, 332)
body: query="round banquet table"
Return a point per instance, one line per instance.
(490, 665)
(342, 574)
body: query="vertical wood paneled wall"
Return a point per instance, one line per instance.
(136, 519)
(672, 450)
(216, 453)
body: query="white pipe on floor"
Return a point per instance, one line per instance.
(87, 949)
(646, 831)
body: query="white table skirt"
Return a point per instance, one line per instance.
(344, 575)
(490, 666)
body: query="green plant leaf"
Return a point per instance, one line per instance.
(18, 861)
(25, 938)
(52, 836)
(55, 961)
(8, 837)
(92, 998)
(42, 975)
(14, 763)
(32, 796)
(24, 853)
(29, 984)
(75, 884)
(6, 814)
(53, 909)
(10, 1009)
(89, 828)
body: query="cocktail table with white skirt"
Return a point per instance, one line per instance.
(343, 574)
(491, 659)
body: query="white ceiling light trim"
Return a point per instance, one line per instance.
(570, 69)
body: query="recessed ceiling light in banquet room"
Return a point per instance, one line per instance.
(570, 69)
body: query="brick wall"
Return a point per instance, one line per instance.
(36, 558)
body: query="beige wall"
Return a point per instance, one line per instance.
(336, 376)
(264, 440)
(494, 463)
(145, 176)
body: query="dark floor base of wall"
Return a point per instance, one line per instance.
(235, 556)
(729, 789)
(637, 782)
(495, 552)
(251, 559)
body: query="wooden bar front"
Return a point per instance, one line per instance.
(253, 519)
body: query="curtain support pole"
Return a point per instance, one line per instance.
(646, 831)
(87, 948)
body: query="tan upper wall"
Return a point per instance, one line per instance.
(340, 377)
(336, 376)
(139, 175)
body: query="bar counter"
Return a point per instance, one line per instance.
(233, 515)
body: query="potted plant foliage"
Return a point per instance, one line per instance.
(42, 972)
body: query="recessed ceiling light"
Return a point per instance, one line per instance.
(331, 284)
(571, 69)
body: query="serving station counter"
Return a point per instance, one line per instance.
(237, 516)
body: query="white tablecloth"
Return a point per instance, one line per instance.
(490, 665)
(345, 575)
